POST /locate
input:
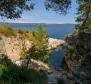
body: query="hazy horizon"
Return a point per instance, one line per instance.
(34, 23)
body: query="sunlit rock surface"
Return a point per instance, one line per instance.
(54, 43)
(14, 47)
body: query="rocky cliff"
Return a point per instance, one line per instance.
(78, 57)
(14, 46)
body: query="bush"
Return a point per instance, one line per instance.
(88, 57)
(10, 73)
(6, 31)
(60, 81)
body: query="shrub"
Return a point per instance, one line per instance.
(10, 73)
(88, 57)
(39, 49)
(60, 81)
(6, 31)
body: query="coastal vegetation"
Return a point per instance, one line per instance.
(78, 42)
(39, 48)
(9, 32)
(83, 17)
(77, 52)
(10, 73)
(39, 38)
(60, 81)
(6, 31)
(13, 9)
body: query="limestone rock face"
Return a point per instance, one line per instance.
(14, 46)
(2, 49)
(53, 43)
(78, 57)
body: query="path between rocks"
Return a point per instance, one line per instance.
(52, 77)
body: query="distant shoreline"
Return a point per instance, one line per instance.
(40, 23)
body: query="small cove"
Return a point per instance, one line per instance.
(58, 31)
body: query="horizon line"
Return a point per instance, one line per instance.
(38, 23)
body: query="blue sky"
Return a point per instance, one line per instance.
(41, 15)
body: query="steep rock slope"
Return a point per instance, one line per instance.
(78, 57)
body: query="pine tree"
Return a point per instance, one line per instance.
(83, 13)
(39, 48)
(13, 8)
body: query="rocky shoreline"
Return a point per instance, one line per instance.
(13, 47)
(54, 43)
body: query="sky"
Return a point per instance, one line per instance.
(41, 15)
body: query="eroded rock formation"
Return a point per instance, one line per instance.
(78, 57)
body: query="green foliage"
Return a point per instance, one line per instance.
(14, 8)
(84, 10)
(6, 31)
(10, 73)
(88, 24)
(59, 6)
(2, 67)
(88, 57)
(60, 81)
(23, 34)
(84, 20)
(83, 13)
(39, 37)
(9, 32)
(39, 46)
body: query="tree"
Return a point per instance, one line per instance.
(62, 6)
(39, 37)
(84, 23)
(13, 8)
(39, 48)
(84, 14)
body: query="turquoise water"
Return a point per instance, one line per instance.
(58, 31)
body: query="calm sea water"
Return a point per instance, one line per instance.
(58, 31)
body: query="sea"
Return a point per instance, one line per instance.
(58, 31)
